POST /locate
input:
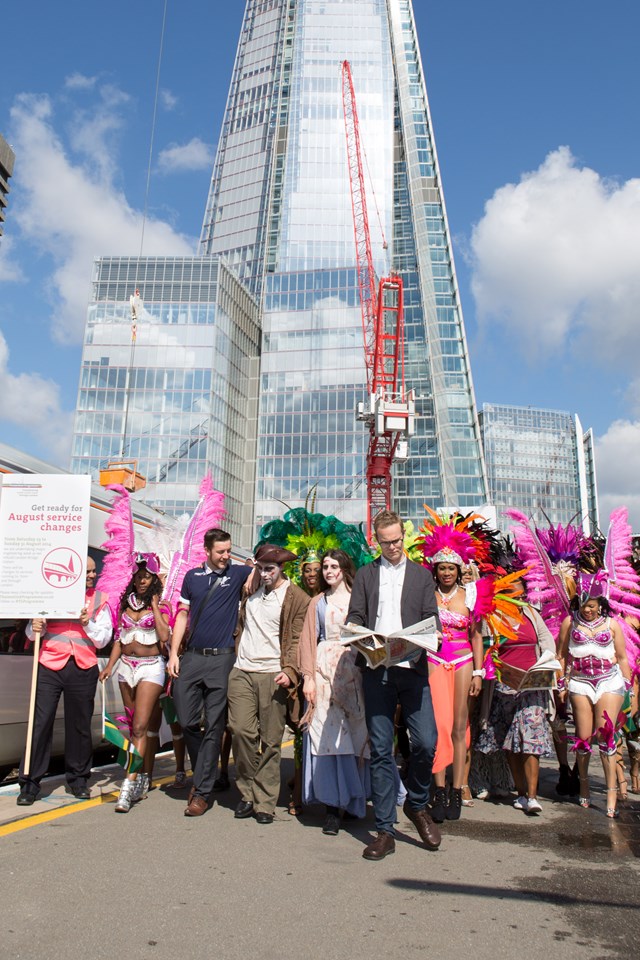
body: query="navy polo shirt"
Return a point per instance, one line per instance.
(217, 621)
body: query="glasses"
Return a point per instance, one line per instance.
(391, 543)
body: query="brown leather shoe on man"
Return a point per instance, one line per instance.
(381, 847)
(429, 832)
(196, 806)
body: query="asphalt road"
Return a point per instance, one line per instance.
(155, 884)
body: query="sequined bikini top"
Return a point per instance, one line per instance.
(142, 631)
(584, 644)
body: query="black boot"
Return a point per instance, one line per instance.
(455, 804)
(574, 790)
(439, 805)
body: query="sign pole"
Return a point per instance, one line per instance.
(32, 703)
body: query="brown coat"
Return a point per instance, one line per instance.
(294, 609)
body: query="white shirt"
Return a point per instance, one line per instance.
(259, 647)
(389, 615)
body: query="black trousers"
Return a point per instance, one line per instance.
(202, 685)
(79, 689)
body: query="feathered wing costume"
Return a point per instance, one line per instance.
(563, 561)
(190, 552)
(117, 568)
(176, 548)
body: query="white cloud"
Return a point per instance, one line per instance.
(169, 100)
(618, 469)
(78, 81)
(195, 155)
(10, 271)
(71, 210)
(33, 403)
(558, 255)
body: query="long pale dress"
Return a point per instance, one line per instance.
(335, 750)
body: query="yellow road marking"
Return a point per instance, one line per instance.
(37, 818)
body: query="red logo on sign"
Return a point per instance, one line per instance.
(61, 567)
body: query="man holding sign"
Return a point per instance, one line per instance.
(68, 665)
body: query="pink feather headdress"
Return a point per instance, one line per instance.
(117, 568)
(208, 513)
(447, 539)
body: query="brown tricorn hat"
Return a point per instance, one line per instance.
(270, 553)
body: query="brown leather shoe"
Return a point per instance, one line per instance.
(429, 832)
(196, 807)
(381, 847)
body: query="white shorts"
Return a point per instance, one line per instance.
(134, 669)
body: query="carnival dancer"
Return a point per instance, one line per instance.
(142, 630)
(518, 720)
(336, 751)
(584, 598)
(456, 670)
(596, 678)
(67, 666)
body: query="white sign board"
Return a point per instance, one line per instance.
(44, 536)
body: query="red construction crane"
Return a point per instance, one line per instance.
(389, 411)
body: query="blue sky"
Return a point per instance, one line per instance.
(534, 109)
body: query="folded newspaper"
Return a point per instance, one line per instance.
(541, 676)
(380, 650)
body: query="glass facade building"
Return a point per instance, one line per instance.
(279, 210)
(176, 390)
(540, 462)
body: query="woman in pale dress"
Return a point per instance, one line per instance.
(336, 753)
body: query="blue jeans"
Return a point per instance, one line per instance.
(383, 689)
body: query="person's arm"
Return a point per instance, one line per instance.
(161, 621)
(478, 657)
(563, 653)
(100, 628)
(545, 637)
(620, 648)
(179, 630)
(113, 659)
(358, 606)
(307, 654)
(288, 676)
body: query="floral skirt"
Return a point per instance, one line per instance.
(518, 723)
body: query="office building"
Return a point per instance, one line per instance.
(7, 160)
(169, 380)
(540, 462)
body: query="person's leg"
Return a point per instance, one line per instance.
(243, 724)
(516, 765)
(153, 738)
(460, 722)
(272, 716)
(531, 766)
(79, 696)
(582, 709)
(177, 737)
(146, 699)
(49, 686)
(380, 698)
(216, 684)
(609, 704)
(188, 697)
(417, 709)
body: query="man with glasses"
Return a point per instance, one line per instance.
(389, 594)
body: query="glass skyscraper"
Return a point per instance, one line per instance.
(279, 210)
(540, 462)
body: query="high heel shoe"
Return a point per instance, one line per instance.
(612, 812)
(467, 796)
(584, 802)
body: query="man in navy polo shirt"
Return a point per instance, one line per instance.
(201, 676)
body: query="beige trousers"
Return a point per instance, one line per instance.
(257, 715)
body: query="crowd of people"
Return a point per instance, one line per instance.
(523, 634)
